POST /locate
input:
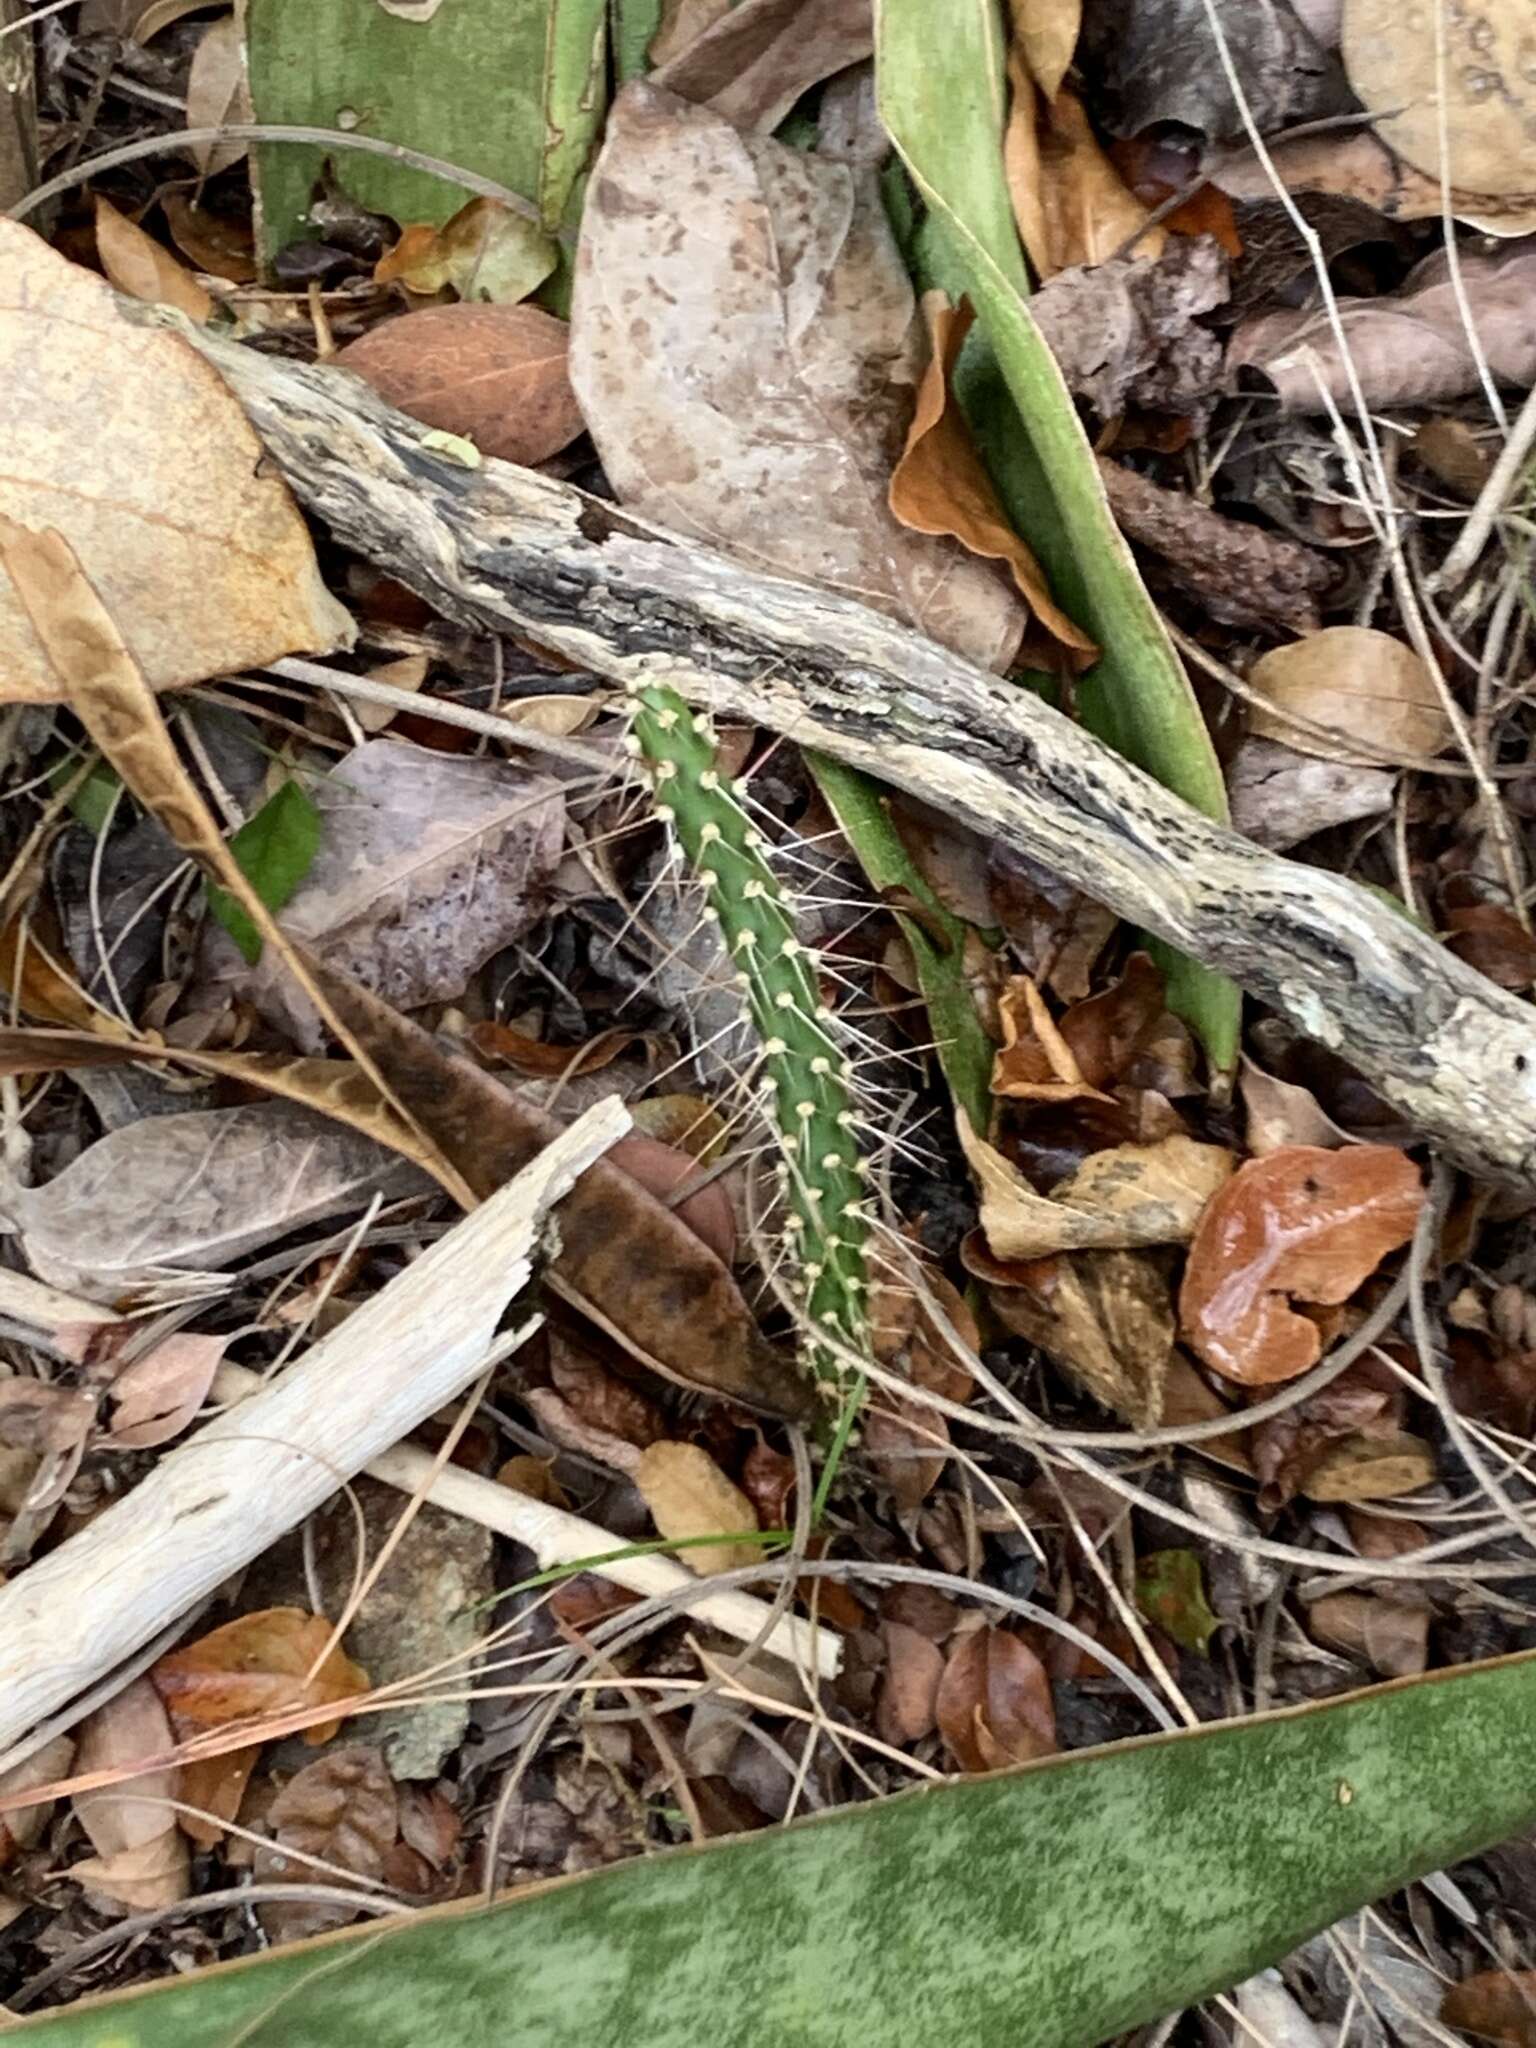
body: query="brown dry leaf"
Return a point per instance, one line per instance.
(495, 374)
(1410, 349)
(768, 1481)
(1035, 1064)
(905, 1440)
(215, 1785)
(1389, 1635)
(1128, 334)
(1498, 2006)
(169, 1196)
(1357, 684)
(342, 1808)
(994, 1702)
(216, 92)
(428, 864)
(144, 23)
(37, 1415)
(1187, 1398)
(1467, 112)
(260, 1665)
(746, 347)
(1120, 1198)
(24, 1825)
(1302, 1221)
(1104, 1317)
(486, 251)
(1357, 165)
(1364, 1467)
(1107, 1033)
(1281, 1113)
(908, 1706)
(158, 1396)
(752, 63)
(143, 268)
(1046, 33)
(1071, 204)
(215, 243)
(184, 528)
(141, 1855)
(688, 1495)
(533, 1476)
(941, 486)
(1280, 796)
(599, 1397)
(1491, 938)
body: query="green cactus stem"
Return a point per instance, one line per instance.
(803, 1063)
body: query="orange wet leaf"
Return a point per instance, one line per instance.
(264, 1663)
(1301, 1222)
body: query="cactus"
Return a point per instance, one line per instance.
(805, 1068)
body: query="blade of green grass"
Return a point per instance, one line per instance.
(1044, 1908)
(274, 849)
(942, 97)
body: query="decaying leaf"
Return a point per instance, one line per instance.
(688, 1495)
(1125, 1196)
(23, 1825)
(1389, 1635)
(173, 1197)
(941, 486)
(1357, 165)
(1489, 937)
(1365, 1467)
(1104, 1317)
(1071, 204)
(262, 1664)
(1045, 33)
(906, 1440)
(342, 1808)
(218, 244)
(494, 374)
(1356, 684)
(746, 348)
(1497, 2006)
(141, 1854)
(1170, 1590)
(753, 61)
(486, 251)
(1280, 796)
(1411, 349)
(1036, 1062)
(188, 534)
(216, 92)
(994, 1702)
(1281, 1113)
(1127, 333)
(38, 1415)
(157, 1397)
(908, 1705)
(1301, 1222)
(143, 268)
(427, 864)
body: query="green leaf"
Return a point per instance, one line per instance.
(1049, 1907)
(1171, 1591)
(274, 850)
(963, 1047)
(942, 98)
(94, 797)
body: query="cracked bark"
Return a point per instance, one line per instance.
(504, 549)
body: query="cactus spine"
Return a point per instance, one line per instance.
(804, 1065)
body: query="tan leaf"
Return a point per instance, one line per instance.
(141, 1855)
(343, 1809)
(146, 22)
(1071, 204)
(139, 265)
(1104, 1317)
(745, 346)
(1389, 1635)
(485, 252)
(216, 92)
(1357, 684)
(259, 1665)
(1371, 1468)
(941, 486)
(22, 1826)
(752, 63)
(1280, 796)
(688, 1495)
(1303, 1222)
(144, 1875)
(495, 374)
(1360, 166)
(1280, 1113)
(36, 1415)
(183, 527)
(1035, 1064)
(1496, 2006)
(215, 1786)
(1046, 33)
(215, 243)
(1125, 1196)
(156, 1397)
(994, 1702)
(907, 1709)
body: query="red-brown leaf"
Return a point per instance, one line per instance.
(1300, 1222)
(260, 1664)
(1495, 2005)
(994, 1703)
(495, 374)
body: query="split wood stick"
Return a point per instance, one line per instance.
(256, 1471)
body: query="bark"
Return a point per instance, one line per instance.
(507, 550)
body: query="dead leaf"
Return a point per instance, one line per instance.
(428, 864)
(908, 1706)
(1358, 165)
(1371, 1468)
(484, 252)
(1409, 349)
(1106, 1034)
(180, 1195)
(215, 243)
(940, 485)
(158, 1396)
(1389, 1635)
(1491, 938)
(23, 1826)
(1126, 1196)
(1187, 1398)
(144, 23)
(1498, 2006)
(599, 1397)
(1127, 333)
(231, 585)
(1046, 32)
(994, 1702)
(215, 1787)
(260, 1665)
(495, 374)
(1301, 1222)
(906, 1440)
(768, 1481)
(342, 1808)
(1357, 684)
(688, 1495)
(1071, 204)
(140, 266)
(1104, 1317)
(1280, 796)
(216, 92)
(37, 1415)
(1282, 1113)
(535, 1477)
(141, 1855)
(745, 346)
(1036, 1064)
(751, 63)
(1460, 104)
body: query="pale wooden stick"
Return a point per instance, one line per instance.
(251, 1474)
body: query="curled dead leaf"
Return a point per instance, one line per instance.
(261, 1664)
(139, 265)
(688, 1495)
(344, 1809)
(485, 251)
(1303, 1222)
(994, 1704)
(37, 1415)
(156, 1397)
(1104, 1317)
(1389, 1635)
(141, 1855)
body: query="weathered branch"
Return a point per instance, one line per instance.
(504, 548)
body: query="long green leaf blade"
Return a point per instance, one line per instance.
(1044, 1908)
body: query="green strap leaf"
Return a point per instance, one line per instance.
(274, 849)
